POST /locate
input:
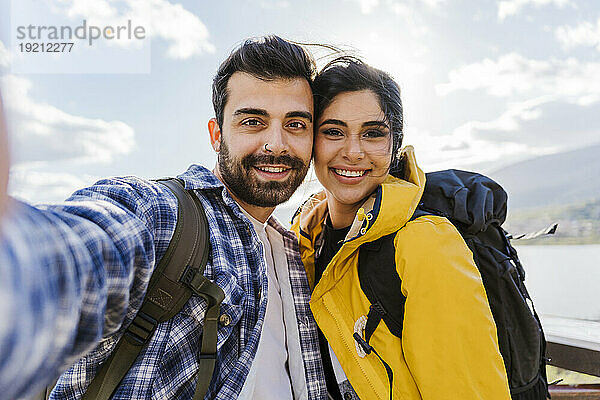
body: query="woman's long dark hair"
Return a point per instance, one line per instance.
(350, 74)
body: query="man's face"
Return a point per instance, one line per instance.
(265, 143)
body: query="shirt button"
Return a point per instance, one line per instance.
(347, 396)
(225, 319)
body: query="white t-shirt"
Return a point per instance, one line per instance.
(269, 377)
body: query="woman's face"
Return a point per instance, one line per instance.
(352, 149)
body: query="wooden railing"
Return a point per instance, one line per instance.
(574, 345)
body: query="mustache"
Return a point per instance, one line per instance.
(251, 160)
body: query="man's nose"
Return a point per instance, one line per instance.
(276, 141)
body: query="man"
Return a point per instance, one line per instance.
(73, 275)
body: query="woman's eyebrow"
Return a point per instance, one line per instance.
(333, 122)
(381, 124)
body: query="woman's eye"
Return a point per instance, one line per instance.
(333, 132)
(375, 133)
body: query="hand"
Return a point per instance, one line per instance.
(4, 162)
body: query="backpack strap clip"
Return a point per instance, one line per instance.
(374, 317)
(141, 328)
(202, 286)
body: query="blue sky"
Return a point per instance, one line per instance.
(485, 83)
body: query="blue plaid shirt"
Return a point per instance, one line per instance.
(73, 275)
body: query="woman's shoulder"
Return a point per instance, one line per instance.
(430, 242)
(427, 230)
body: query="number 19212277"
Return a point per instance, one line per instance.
(62, 47)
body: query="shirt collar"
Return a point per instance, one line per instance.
(198, 177)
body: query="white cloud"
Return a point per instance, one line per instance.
(366, 6)
(403, 8)
(479, 145)
(508, 8)
(5, 56)
(533, 127)
(184, 32)
(584, 34)
(42, 132)
(542, 96)
(510, 120)
(432, 3)
(274, 4)
(35, 186)
(545, 99)
(512, 74)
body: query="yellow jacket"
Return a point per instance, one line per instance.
(449, 347)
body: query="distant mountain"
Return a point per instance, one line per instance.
(567, 178)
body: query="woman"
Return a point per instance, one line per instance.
(448, 348)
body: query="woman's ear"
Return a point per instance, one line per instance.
(215, 134)
(398, 166)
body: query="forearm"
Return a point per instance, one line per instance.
(4, 162)
(42, 293)
(65, 283)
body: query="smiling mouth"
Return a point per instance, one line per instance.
(272, 170)
(350, 173)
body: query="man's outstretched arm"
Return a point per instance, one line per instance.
(74, 273)
(4, 161)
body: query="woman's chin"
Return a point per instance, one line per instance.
(350, 200)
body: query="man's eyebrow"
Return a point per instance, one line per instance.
(299, 114)
(381, 124)
(251, 111)
(333, 122)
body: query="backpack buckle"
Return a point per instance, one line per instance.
(188, 275)
(141, 328)
(202, 286)
(193, 278)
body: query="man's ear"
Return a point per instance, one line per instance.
(215, 134)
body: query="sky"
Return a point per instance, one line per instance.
(484, 83)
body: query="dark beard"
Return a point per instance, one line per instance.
(240, 179)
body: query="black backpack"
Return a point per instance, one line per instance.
(178, 275)
(476, 205)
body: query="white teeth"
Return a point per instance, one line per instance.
(272, 169)
(345, 172)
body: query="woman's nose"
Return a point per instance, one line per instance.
(353, 150)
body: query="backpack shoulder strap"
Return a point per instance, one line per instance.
(179, 274)
(420, 212)
(381, 283)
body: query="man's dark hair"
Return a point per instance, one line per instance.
(350, 74)
(267, 58)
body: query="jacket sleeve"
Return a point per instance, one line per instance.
(449, 337)
(73, 273)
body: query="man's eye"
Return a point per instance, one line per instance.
(297, 125)
(251, 122)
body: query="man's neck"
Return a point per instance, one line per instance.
(261, 214)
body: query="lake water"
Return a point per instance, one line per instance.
(563, 281)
